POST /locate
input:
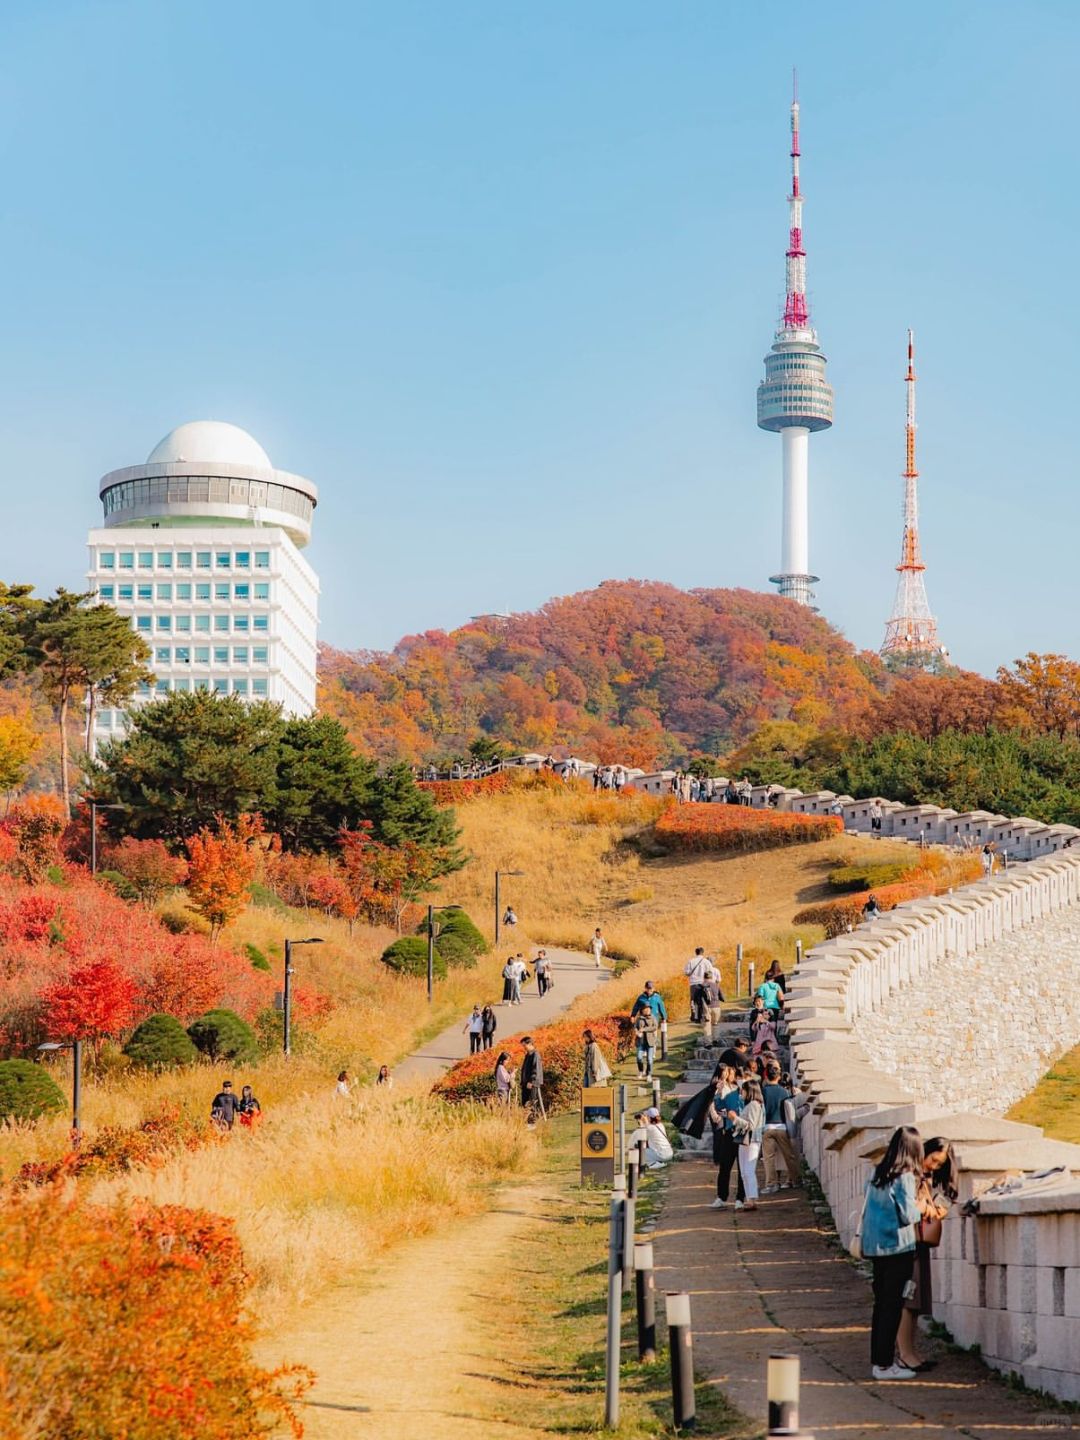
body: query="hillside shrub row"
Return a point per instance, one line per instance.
(934, 874)
(563, 1052)
(736, 828)
(118, 1148)
(455, 792)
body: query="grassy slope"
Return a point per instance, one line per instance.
(1053, 1103)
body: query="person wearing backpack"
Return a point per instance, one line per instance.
(887, 1233)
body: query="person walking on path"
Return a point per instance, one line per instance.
(532, 1080)
(597, 945)
(597, 1070)
(699, 970)
(504, 1078)
(773, 996)
(876, 813)
(646, 1029)
(488, 1026)
(542, 970)
(936, 1195)
(748, 1126)
(890, 1215)
(651, 999)
(474, 1028)
(726, 1101)
(521, 974)
(249, 1109)
(776, 1140)
(714, 1000)
(224, 1107)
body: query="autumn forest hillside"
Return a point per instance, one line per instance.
(634, 671)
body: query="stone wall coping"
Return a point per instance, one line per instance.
(1046, 1202)
(1032, 1154)
(966, 1129)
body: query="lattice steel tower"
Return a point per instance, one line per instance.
(795, 397)
(911, 630)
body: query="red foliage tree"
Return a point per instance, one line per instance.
(96, 1002)
(147, 865)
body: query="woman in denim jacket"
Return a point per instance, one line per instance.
(891, 1213)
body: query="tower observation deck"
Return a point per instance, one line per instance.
(795, 398)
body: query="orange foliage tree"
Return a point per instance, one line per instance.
(221, 865)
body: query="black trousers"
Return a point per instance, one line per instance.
(725, 1154)
(474, 1042)
(891, 1274)
(697, 1002)
(541, 983)
(489, 1037)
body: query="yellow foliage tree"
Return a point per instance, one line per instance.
(18, 744)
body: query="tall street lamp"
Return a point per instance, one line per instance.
(95, 806)
(431, 945)
(75, 1046)
(498, 912)
(286, 999)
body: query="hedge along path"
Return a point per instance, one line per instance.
(419, 1354)
(575, 975)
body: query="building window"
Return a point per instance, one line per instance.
(262, 559)
(183, 622)
(202, 684)
(202, 559)
(127, 559)
(182, 685)
(142, 622)
(107, 559)
(221, 654)
(146, 592)
(202, 590)
(183, 590)
(164, 592)
(221, 590)
(240, 622)
(127, 592)
(104, 719)
(144, 688)
(224, 560)
(202, 654)
(240, 687)
(221, 687)
(163, 654)
(202, 624)
(164, 622)
(262, 591)
(146, 559)
(183, 559)
(262, 623)
(106, 592)
(259, 655)
(221, 624)
(240, 655)
(242, 559)
(183, 655)
(259, 687)
(161, 688)
(164, 559)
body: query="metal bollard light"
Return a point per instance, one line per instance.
(798, 952)
(656, 1093)
(738, 971)
(681, 1342)
(629, 1217)
(663, 1039)
(622, 1128)
(782, 1392)
(645, 1282)
(633, 1160)
(750, 979)
(616, 1221)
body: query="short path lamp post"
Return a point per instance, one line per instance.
(782, 1390)
(286, 1004)
(75, 1046)
(431, 945)
(498, 909)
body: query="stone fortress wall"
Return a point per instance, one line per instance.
(936, 1015)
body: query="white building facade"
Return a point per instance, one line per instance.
(201, 549)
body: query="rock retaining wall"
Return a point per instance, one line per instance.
(934, 1016)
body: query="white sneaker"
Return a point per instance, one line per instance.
(739, 1205)
(892, 1372)
(769, 1189)
(719, 1204)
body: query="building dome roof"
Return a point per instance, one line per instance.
(212, 441)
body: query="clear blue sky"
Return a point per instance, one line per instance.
(500, 277)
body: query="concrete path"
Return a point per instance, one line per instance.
(775, 1279)
(575, 974)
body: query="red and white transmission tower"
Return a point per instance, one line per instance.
(911, 630)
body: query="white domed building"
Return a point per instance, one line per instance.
(201, 548)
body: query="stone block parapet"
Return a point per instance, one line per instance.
(941, 1015)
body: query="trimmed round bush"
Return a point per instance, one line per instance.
(408, 956)
(222, 1035)
(179, 921)
(161, 1042)
(28, 1091)
(454, 951)
(456, 922)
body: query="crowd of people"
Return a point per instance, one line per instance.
(516, 973)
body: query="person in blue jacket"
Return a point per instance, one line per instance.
(649, 999)
(890, 1219)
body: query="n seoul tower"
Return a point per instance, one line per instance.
(795, 397)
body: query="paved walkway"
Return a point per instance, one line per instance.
(775, 1279)
(575, 974)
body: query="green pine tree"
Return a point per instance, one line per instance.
(322, 785)
(400, 811)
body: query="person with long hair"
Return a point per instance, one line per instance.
(749, 1125)
(726, 1102)
(504, 1077)
(488, 1026)
(890, 1215)
(936, 1195)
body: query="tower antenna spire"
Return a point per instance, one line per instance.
(795, 397)
(911, 630)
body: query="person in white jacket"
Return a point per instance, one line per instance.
(749, 1128)
(699, 970)
(658, 1148)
